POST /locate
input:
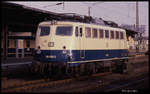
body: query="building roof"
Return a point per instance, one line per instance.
(130, 32)
(22, 18)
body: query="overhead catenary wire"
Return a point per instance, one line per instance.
(89, 7)
(123, 14)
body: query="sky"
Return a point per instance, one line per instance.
(117, 11)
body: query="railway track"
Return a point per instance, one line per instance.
(91, 85)
(115, 84)
(36, 84)
(130, 83)
(100, 83)
(32, 85)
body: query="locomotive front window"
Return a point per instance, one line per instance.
(44, 30)
(64, 30)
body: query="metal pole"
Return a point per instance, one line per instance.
(17, 48)
(23, 49)
(5, 41)
(63, 5)
(137, 24)
(89, 10)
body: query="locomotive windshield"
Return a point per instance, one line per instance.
(45, 30)
(64, 30)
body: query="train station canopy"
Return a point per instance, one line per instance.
(131, 33)
(20, 18)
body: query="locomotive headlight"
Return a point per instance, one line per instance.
(64, 50)
(50, 56)
(50, 44)
(38, 50)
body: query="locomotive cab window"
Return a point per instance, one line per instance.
(45, 30)
(64, 30)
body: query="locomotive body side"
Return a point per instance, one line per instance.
(75, 47)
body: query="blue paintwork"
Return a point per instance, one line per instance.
(89, 55)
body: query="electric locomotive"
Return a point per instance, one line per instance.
(75, 47)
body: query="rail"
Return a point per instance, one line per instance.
(31, 85)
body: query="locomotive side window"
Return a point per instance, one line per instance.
(112, 34)
(117, 34)
(95, 35)
(81, 32)
(101, 33)
(106, 34)
(121, 35)
(88, 32)
(76, 32)
(44, 30)
(64, 30)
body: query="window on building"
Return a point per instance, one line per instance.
(45, 30)
(28, 43)
(76, 32)
(121, 35)
(95, 35)
(117, 34)
(15, 43)
(106, 34)
(101, 33)
(88, 32)
(112, 34)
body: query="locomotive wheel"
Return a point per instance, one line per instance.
(82, 69)
(34, 67)
(120, 67)
(77, 71)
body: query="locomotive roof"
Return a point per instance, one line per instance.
(80, 23)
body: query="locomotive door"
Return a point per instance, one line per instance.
(81, 42)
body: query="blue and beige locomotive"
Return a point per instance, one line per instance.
(78, 48)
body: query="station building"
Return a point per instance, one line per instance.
(19, 25)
